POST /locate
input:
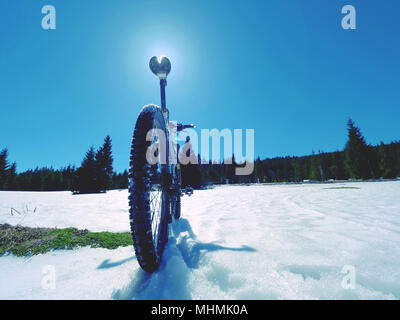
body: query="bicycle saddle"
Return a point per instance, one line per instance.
(160, 66)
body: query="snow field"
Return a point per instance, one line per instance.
(233, 242)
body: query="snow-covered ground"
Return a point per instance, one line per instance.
(233, 242)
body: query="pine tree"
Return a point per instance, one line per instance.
(387, 163)
(356, 153)
(257, 173)
(397, 159)
(298, 169)
(120, 180)
(86, 177)
(4, 166)
(68, 174)
(336, 166)
(12, 178)
(314, 172)
(104, 167)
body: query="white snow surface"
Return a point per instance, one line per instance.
(233, 242)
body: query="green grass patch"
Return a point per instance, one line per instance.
(25, 241)
(343, 188)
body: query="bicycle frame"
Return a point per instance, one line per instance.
(173, 168)
(161, 68)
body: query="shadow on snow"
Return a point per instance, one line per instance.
(182, 253)
(106, 264)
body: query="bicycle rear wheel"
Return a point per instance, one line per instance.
(148, 189)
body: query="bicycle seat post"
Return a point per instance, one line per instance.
(161, 67)
(163, 84)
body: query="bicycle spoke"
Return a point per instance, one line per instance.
(156, 194)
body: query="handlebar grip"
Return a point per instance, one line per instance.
(181, 126)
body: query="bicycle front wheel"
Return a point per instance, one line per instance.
(148, 188)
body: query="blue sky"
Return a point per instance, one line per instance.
(285, 68)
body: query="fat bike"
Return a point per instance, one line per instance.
(154, 176)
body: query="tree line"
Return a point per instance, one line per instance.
(358, 160)
(95, 174)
